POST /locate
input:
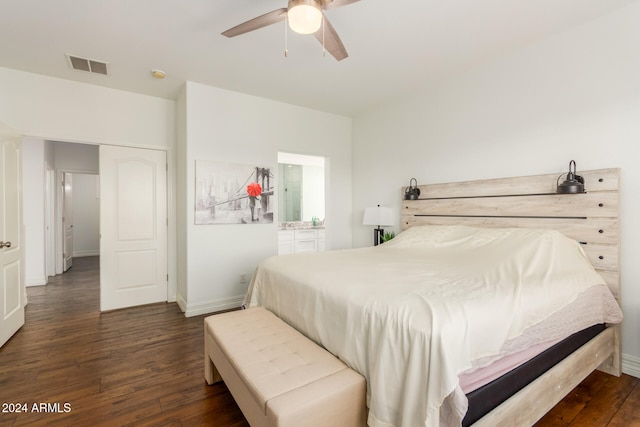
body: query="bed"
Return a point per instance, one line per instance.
(412, 315)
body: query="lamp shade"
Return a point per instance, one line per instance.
(570, 186)
(305, 16)
(378, 216)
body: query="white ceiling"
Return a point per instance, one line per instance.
(394, 46)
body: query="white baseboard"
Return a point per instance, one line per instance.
(78, 254)
(631, 365)
(181, 302)
(35, 281)
(210, 306)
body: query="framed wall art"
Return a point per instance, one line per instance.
(233, 194)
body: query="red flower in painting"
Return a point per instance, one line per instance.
(254, 189)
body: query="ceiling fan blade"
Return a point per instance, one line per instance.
(332, 42)
(256, 23)
(332, 4)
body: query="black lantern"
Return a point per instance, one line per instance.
(412, 192)
(574, 183)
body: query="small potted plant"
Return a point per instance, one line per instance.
(388, 235)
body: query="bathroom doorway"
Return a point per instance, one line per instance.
(301, 188)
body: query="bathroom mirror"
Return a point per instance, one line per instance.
(300, 187)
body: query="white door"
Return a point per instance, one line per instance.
(133, 227)
(67, 221)
(12, 293)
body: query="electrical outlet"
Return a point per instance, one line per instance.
(243, 278)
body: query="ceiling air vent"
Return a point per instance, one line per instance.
(90, 65)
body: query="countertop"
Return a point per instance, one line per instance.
(300, 225)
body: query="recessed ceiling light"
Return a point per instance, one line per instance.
(158, 74)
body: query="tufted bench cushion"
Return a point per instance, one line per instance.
(279, 377)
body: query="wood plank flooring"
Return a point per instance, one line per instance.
(143, 366)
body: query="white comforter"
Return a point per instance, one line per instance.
(413, 313)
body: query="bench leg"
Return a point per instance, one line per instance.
(211, 374)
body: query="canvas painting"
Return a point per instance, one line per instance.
(233, 194)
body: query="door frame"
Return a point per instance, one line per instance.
(172, 239)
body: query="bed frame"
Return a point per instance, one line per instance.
(591, 218)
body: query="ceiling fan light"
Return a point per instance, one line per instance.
(305, 16)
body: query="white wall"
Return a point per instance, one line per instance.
(62, 110)
(50, 209)
(76, 158)
(225, 126)
(86, 215)
(182, 213)
(33, 198)
(573, 96)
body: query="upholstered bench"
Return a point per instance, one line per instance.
(277, 376)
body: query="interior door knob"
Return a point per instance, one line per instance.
(5, 245)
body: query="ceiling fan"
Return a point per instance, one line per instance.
(304, 17)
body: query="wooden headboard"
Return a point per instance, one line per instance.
(591, 218)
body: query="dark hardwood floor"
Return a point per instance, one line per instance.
(143, 366)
